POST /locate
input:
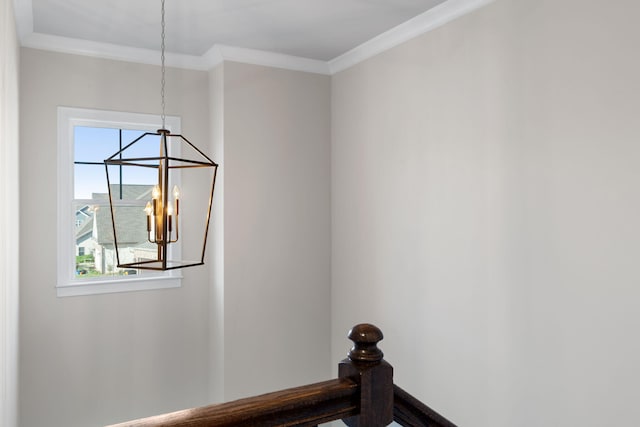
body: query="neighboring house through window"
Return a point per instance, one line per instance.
(86, 256)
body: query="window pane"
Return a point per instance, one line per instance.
(129, 135)
(95, 144)
(90, 181)
(133, 175)
(85, 244)
(95, 253)
(146, 147)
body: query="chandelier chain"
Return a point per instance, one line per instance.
(162, 81)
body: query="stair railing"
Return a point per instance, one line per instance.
(363, 395)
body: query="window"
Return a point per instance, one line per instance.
(86, 253)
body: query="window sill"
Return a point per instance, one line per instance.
(96, 287)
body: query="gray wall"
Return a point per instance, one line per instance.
(276, 228)
(9, 215)
(481, 183)
(104, 358)
(230, 330)
(216, 255)
(484, 206)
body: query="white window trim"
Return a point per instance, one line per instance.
(68, 284)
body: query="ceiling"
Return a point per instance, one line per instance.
(315, 29)
(309, 35)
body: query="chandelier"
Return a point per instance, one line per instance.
(147, 226)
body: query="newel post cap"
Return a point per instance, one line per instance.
(365, 338)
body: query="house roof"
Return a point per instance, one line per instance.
(84, 229)
(131, 225)
(129, 192)
(131, 221)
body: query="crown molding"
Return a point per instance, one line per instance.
(213, 57)
(217, 54)
(111, 51)
(423, 23)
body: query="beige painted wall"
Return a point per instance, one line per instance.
(9, 216)
(216, 256)
(485, 212)
(100, 359)
(234, 327)
(276, 228)
(482, 184)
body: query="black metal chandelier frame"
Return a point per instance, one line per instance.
(159, 216)
(164, 161)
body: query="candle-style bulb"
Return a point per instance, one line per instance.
(176, 192)
(169, 214)
(148, 210)
(156, 192)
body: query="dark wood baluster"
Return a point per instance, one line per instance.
(366, 367)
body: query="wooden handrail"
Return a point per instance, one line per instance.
(410, 412)
(363, 395)
(300, 406)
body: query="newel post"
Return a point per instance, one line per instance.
(375, 376)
